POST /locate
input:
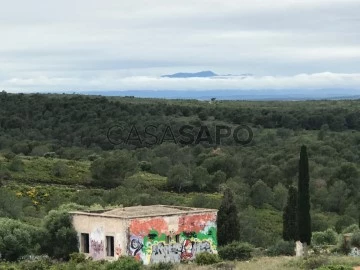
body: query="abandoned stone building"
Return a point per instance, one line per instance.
(152, 234)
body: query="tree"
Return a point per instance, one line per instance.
(303, 205)
(60, 169)
(201, 178)
(179, 177)
(111, 171)
(16, 239)
(289, 216)
(261, 194)
(218, 178)
(61, 237)
(337, 197)
(280, 194)
(16, 165)
(227, 220)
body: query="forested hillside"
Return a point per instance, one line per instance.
(55, 150)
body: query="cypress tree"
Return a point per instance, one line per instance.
(289, 216)
(227, 220)
(303, 205)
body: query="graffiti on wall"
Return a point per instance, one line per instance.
(136, 245)
(97, 243)
(97, 247)
(172, 239)
(118, 251)
(354, 252)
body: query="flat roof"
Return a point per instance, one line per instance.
(144, 211)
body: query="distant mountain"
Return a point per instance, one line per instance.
(201, 74)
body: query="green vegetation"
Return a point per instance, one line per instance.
(227, 220)
(289, 216)
(235, 251)
(55, 154)
(303, 205)
(282, 248)
(328, 237)
(206, 258)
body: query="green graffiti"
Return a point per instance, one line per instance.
(154, 237)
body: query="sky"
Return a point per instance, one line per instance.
(127, 45)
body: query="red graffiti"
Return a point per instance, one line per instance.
(195, 223)
(143, 227)
(187, 250)
(118, 251)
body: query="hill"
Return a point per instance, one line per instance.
(58, 145)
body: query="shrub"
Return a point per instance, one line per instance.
(35, 265)
(145, 166)
(93, 157)
(335, 267)
(4, 173)
(315, 262)
(206, 258)
(16, 165)
(49, 155)
(236, 251)
(355, 239)
(328, 237)
(161, 266)
(282, 247)
(60, 169)
(9, 155)
(124, 263)
(77, 257)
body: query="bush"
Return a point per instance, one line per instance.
(35, 265)
(328, 237)
(49, 155)
(16, 165)
(145, 166)
(286, 248)
(4, 173)
(315, 262)
(162, 266)
(124, 263)
(77, 257)
(236, 251)
(9, 155)
(335, 267)
(206, 258)
(60, 169)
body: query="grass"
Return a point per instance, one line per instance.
(40, 169)
(279, 263)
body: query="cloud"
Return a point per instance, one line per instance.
(316, 81)
(113, 44)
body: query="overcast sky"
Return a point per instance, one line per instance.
(128, 45)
